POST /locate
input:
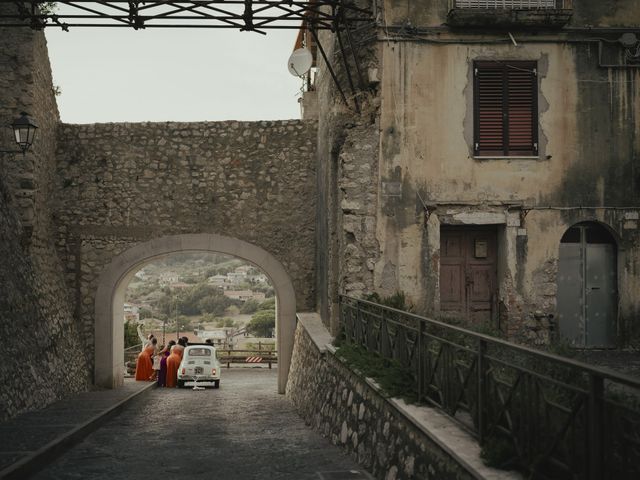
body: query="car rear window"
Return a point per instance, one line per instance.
(199, 352)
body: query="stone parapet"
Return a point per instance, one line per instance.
(391, 439)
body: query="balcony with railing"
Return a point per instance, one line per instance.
(509, 13)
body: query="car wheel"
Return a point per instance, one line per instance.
(181, 383)
(216, 384)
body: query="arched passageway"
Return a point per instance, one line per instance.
(112, 284)
(587, 286)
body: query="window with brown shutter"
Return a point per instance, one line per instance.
(505, 109)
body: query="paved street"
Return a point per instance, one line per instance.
(244, 430)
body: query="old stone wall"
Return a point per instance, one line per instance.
(122, 184)
(43, 357)
(46, 358)
(352, 415)
(347, 173)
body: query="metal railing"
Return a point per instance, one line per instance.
(131, 355)
(548, 415)
(512, 4)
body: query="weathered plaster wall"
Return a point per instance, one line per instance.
(45, 357)
(589, 125)
(589, 130)
(585, 159)
(122, 184)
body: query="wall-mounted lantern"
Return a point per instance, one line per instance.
(24, 129)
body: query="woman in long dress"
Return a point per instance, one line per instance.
(173, 363)
(144, 364)
(162, 373)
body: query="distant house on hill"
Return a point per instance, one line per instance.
(236, 277)
(141, 274)
(167, 278)
(259, 278)
(131, 313)
(259, 296)
(221, 337)
(217, 280)
(244, 295)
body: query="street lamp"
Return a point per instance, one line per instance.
(24, 131)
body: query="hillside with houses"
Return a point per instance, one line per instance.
(201, 295)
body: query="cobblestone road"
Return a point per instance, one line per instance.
(244, 430)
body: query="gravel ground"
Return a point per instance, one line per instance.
(244, 430)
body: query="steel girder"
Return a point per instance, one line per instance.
(247, 15)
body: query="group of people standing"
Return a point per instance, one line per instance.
(160, 363)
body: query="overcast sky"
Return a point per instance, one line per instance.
(118, 74)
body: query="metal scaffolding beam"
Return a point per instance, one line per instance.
(246, 15)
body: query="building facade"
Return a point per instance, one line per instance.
(493, 174)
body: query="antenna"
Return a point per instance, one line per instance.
(300, 62)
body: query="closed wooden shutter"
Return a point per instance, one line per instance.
(505, 114)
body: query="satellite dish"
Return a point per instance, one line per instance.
(300, 62)
(628, 40)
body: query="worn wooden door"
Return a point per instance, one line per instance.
(468, 273)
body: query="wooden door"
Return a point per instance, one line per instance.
(468, 273)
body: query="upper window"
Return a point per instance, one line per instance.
(505, 109)
(519, 4)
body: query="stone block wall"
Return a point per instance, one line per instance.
(348, 142)
(349, 412)
(122, 184)
(45, 355)
(43, 358)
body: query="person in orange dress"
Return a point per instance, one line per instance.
(173, 363)
(144, 364)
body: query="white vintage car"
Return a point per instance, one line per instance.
(200, 365)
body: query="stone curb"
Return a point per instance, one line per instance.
(35, 461)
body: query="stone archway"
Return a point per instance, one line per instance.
(113, 281)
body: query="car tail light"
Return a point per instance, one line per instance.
(213, 371)
(184, 370)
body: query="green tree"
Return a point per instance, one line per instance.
(207, 318)
(250, 306)
(262, 323)
(269, 304)
(229, 322)
(130, 334)
(186, 323)
(215, 304)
